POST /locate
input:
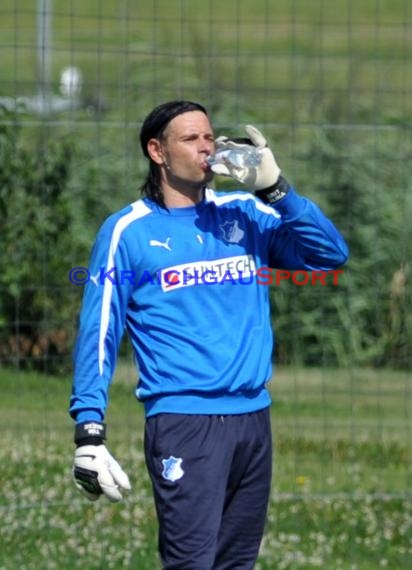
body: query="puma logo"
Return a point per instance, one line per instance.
(164, 244)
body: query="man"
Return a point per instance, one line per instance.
(177, 270)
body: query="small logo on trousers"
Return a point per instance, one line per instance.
(172, 470)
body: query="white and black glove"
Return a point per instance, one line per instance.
(263, 178)
(95, 471)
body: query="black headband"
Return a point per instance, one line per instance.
(156, 122)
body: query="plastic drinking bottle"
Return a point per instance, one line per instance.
(237, 157)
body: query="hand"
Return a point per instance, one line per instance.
(96, 473)
(259, 177)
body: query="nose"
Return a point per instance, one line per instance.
(208, 146)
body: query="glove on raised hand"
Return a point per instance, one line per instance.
(95, 471)
(259, 177)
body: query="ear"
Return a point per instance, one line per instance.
(154, 148)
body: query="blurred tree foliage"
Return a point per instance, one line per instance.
(54, 194)
(38, 246)
(365, 187)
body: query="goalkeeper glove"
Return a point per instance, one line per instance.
(262, 178)
(95, 471)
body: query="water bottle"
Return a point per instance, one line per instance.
(242, 157)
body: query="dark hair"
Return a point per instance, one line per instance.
(153, 127)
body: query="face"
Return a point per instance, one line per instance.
(183, 149)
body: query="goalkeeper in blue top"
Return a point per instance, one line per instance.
(177, 269)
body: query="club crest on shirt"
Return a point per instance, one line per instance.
(231, 232)
(172, 470)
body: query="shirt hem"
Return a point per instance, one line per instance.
(228, 404)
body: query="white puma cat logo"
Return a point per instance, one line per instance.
(164, 244)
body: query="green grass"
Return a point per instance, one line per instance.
(341, 488)
(290, 67)
(279, 62)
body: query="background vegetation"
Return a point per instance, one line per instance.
(339, 498)
(328, 84)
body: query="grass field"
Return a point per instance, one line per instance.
(278, 62)
(341, 490)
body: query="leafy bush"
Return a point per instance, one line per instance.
(55, 194)
(38, 244)
(364, 186)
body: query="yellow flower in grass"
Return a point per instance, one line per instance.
(302, 481)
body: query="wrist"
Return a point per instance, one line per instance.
(89, 433)
(274, 193)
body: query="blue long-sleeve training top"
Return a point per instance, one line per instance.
(184, 283)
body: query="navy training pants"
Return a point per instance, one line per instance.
(211, 479)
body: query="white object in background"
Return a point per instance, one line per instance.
(71, 81)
